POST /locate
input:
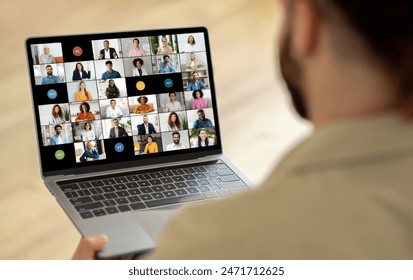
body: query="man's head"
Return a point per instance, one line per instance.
(46, 49)
(113, 103)
(201, 115)
(109, 65)
(106, 44)
(166, 58)
(176, 137)
(115, 122)
(49, 70)
(145, 119)
(58, 129)
(192, 56)
(325, 42)
(136, 42)
(195, 76)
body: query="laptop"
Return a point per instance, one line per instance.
(128, 131)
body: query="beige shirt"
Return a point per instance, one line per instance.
(345, 193)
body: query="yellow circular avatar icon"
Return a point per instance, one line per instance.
(140, 85)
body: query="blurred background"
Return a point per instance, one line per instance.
(257, 122)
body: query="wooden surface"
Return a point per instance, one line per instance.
(256, 120)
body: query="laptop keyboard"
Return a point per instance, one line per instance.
(105, 195)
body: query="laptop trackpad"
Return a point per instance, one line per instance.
(154, 220)
(126, 235)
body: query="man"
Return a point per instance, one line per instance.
(146, 127)
(110, 73)
(195, 83)
(106, 52)
(50, 78)
(344, 193)
(166, 65)
(113, 111)
(116, 131)
(46, 57)
(175, 145)
(202, 122)
(193, 64)
(58, 138)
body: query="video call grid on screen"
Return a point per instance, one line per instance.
(110, 97)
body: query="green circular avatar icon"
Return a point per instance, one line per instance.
(59, 154)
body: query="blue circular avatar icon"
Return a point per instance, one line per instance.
(168, 83)
(51, 93)
(119, 147)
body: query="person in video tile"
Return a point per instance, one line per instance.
(193, 63)
(173, 122)
(57, 115)
(172, 104)
(113, 111)
(90, 154)
(58, 138)
(203, 140)
(146, 127)
(50, 78)
(165, 48)
(107, 52)
(116, 131)
(199, 101)
(139, 70)
(136, 51)
(190, 46)
(80, 73)
(151, 147)
(195, 83)
(88, 134)
(176, 145)
(46, 57)
(110, 73)
(143, 107)
(167, 66)
(112, 91)
(84, 113)
(83, 94)
(202, 122)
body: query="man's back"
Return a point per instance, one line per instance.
(343, 194)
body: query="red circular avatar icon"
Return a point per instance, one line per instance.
(77, 51)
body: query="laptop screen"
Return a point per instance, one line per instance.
(130, 96)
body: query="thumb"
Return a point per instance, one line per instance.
(89, 246)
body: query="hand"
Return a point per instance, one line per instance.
(89, 246)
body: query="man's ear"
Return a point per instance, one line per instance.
(306, 29)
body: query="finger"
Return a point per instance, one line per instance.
(89, 246)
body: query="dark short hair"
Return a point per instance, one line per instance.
(136, 60)
(175, 133)
(56, 126)
(149, 136)
(106, 41)
(200, 111)
(172, 93)
(108, 62)
(136, 40)
(387, 29)
(144, 97)
(195, 91)
(48, 65)
(112, 100)
(166, 56)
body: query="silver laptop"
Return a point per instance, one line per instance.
(128, 131)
